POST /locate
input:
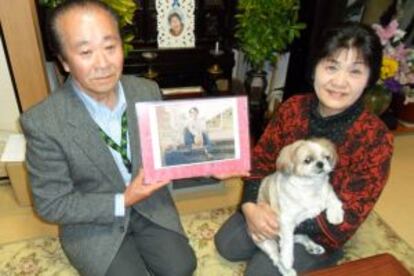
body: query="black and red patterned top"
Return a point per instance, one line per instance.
(364, 147)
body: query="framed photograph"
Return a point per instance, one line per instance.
(175, 23)
(193, 137)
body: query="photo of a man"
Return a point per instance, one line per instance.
(195, 133)
(193, 137)
(191, 133)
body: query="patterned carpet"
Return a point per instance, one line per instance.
(44, 256)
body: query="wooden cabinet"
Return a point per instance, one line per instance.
(214, 22)
(179, 67)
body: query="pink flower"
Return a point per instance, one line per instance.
(400, 52)
(397, 71)
(385, 34)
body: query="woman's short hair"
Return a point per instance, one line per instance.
(352, 35)
(174, 14)
(56, 43)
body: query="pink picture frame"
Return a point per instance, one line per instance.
(193, 137)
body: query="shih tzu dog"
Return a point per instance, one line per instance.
(299, 190)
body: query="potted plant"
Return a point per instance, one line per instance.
(125, 10)
(264, 29)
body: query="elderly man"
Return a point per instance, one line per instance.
(84, 160)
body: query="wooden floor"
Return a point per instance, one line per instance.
(396, 204)
(18, 223)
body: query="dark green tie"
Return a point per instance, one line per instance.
(123, 147)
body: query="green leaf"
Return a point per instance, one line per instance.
(266, 27)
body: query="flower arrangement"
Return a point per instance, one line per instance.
(397, 71)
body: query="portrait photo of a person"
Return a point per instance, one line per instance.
(195, 133)
(188, 133)
(175, 22)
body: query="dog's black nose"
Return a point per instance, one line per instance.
(319, 164)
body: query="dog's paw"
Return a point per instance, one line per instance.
(275, 259)
(287, 271)
(315, 249)
(291, 272)
(335, 215)
(310, 246)
(287, 261)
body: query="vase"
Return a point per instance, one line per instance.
(377, 99)
(403, 111)
(255, 85)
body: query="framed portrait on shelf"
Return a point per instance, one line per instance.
(193, 137)
(175, 23)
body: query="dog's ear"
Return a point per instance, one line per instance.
(329, 146)
(334, 155)
(285, 162)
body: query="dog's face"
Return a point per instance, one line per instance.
(307, 158)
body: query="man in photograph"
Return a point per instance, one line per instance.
(195, 133)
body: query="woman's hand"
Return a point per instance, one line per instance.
(137, 190)
(261, 221)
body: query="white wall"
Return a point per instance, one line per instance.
(9, 112)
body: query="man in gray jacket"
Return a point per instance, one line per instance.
(84, 161)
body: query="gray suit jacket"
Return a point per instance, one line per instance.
(74, 177)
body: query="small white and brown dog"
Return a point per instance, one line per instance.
(299, 190)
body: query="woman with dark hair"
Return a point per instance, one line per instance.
(348, 62)
(176, 24)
